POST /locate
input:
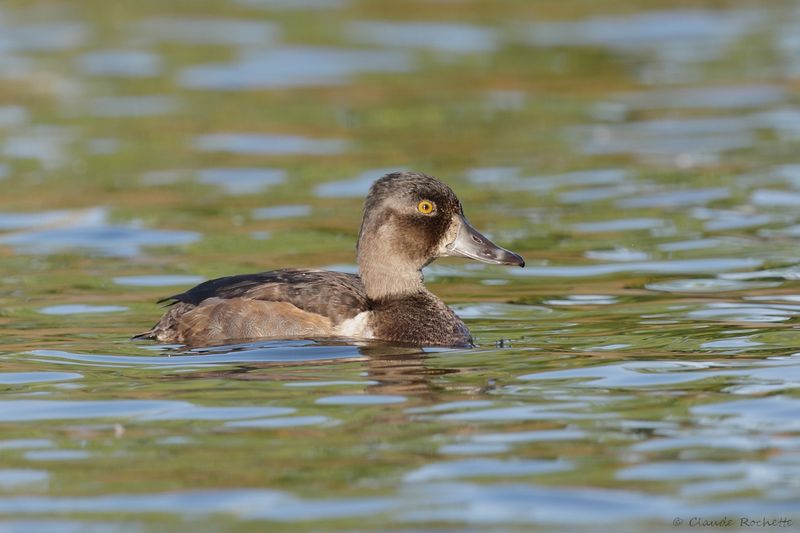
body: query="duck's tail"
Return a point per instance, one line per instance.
(166, 330)
(150, 334)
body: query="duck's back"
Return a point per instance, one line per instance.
(278, 303)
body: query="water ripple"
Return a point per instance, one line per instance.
(269, 351)
(158, 280)
(208, 31)
(770, 374)
(88, 230)
(355, 187)
(281, 422)
(773, 413)
(484, 468)
(23, 378)
(11, 478)
(242, 181)
(687, 266)
(281, 211)
(450, 37)
(281, 68)
(360, 399)
(120, 63)
(30, 410)
(133, 106)
(710, 285)
(81, 309)
(267, 144)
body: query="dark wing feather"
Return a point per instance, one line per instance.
(335, 295)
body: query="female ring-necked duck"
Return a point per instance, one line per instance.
(409, 220)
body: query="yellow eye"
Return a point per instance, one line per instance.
(425, 207)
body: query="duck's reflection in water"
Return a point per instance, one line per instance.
(401, 370)
(387, 368)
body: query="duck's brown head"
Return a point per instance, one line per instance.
(410, 219)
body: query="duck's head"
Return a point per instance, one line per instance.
(410, 219)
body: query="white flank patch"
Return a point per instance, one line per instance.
(358, 326)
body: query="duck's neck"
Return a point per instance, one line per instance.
(383, 275)
(382, 280)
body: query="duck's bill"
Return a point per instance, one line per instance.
(471, 244)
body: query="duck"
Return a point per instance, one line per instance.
(409, 220)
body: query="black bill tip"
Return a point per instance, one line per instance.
(510, 258)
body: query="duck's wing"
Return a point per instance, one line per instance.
(334, 295)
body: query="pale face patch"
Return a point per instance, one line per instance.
(450, 236)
